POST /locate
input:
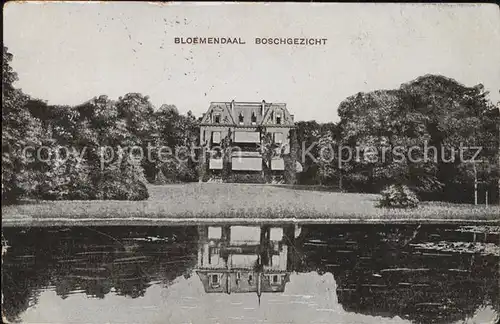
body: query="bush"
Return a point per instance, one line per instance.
(122, 181)
(176, 172)
(278, 179)
(246, 178)
(205, 177)
(398, 196)
(160, 178)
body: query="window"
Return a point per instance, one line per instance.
(217, 118)
(240, 118)
(254, 117)
(216, 137)
(278, 138)
(278, 119)
(215, 280)
(275, 279)
(250, 279)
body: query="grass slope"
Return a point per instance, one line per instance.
(204, 201)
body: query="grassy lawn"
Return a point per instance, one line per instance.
(203, 201)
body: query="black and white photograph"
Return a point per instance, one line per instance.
(273, 163)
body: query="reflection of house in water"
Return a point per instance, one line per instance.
(238, 259)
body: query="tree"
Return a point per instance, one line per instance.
(307, 136)
(498, 153)
(122, 180)
(88, 130)
(137, 112)
(328, 171)
(19, 131)
(66, 178)
(290, 159)
(456, 116)
(432, 111)
(378, 122)
(179, 133)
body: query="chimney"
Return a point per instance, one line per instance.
(263, 107)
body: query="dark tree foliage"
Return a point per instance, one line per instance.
(100, 149)
(434, 112)
(180, 134)
(19, 130)
(316, 146)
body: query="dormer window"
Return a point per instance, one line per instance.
(214, 280)
(275, 279)
(217, 118)
(240, 118)
(254, 118)
(278, 119)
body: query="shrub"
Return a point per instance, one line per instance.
(205, 177)
(398, 196)
(175, 172)
(246, 178)
(160, 178)
(122, 181)
(278, 179)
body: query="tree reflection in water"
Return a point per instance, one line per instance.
(384, 271)
(95, 261)
(404, 271)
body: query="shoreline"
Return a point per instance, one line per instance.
(143, 221)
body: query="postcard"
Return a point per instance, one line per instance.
(167, 162)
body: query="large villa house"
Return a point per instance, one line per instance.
(246, 126)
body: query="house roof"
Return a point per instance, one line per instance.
(244, 113)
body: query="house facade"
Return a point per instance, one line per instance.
(229, 262)
(258, 133)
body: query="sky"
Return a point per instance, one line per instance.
(313, 297)
(67, 53)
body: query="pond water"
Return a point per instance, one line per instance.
(236, 274)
